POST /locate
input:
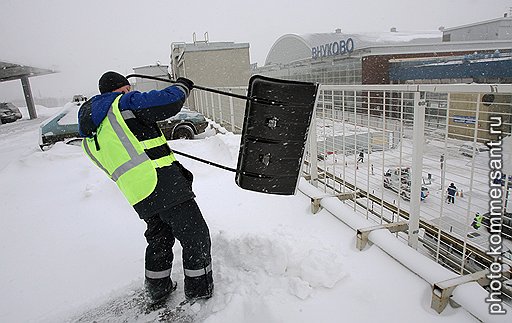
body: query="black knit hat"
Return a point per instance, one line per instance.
(111, 81)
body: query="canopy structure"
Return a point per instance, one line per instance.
(11, 71)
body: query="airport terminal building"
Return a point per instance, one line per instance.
(475, 53)
(479, 52)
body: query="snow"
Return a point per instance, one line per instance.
(374, 38)
(69, 242)
(400, 37)
(457, 167)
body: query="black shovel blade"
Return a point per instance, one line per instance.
(274, 135)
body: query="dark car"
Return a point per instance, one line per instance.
(9, 112)
(64, 126)
(506, 223)
(79, 98)
(184, 125)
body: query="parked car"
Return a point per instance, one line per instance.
(503, 179)
(79, 98)
(9, 112)
(185, 125)
(399, 180)
(467, 149)
(63, 126)
(506, 223)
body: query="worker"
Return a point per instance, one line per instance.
(123, 139)
(452, 190)
(477, 221)
(361, 157)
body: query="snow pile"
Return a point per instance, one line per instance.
(288, 264)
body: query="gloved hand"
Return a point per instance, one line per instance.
(187, 84)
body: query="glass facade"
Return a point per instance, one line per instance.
(324, 71)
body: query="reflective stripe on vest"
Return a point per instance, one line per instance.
(123, 157)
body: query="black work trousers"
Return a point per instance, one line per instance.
(185, 223)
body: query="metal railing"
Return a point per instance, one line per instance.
(398, 148)
(226, 111)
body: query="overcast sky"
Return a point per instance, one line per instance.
(83, 39)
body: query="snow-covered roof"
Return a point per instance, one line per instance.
(273, 260)
(292, 47)
(12, 71)
(374, 38)
(202, 46)
(508, 19)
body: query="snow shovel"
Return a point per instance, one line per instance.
(276, 123)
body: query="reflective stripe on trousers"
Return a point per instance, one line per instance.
(188, 272)
(158, 274)
(197, 272)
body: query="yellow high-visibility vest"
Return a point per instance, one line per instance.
(116, 150)
(478, 220)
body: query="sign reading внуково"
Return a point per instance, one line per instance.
(332, 49)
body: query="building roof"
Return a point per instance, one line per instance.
(12, 71)
(508, 19)
(204, 45)
(376, 38)
(152, 66)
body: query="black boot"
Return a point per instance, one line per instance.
(159, 289)
(199, 287)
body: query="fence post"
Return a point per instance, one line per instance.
(207, 105)
(213, 107)
(232, 112)
(196, 101)
(201, 102)
(418, 140)
(220, 111)
(313, 150)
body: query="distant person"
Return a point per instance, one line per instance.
(441, 160)
(477, 221)
(123, 139)
(452, 190)
(361, 157)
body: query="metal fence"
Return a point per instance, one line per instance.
(225, 110)
(397, 149)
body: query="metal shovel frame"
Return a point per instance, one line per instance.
(243, 97)
(203, 88)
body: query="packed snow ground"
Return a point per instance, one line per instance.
(69, 243)
(368, 176)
